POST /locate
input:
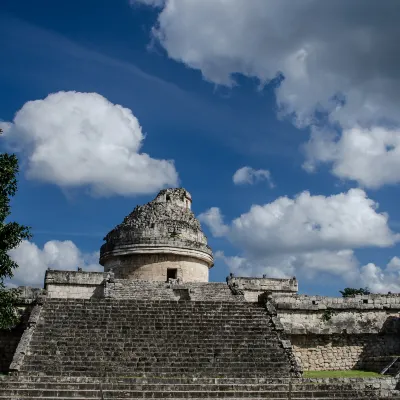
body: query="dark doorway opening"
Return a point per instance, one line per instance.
(172, 273)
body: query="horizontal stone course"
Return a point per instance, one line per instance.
(117, 337)
(39, 387)
(145, 290)
(361, 302)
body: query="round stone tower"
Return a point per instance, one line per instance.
(158, 241)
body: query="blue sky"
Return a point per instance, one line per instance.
(177, 84)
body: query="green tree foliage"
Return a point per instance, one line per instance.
(349, 292)
(11, 235)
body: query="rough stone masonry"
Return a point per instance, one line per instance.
(152, 312)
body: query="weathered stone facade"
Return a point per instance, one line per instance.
(154, 316)
(159, 240)
(74, 284)
(9, 339)
(153, 267)
(359, 332)
(342, 351)
(252, 287)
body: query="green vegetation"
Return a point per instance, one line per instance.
(342, 374)
(349, 292)
(11, 235)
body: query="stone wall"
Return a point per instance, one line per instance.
(9, 339)
(153, 267)
(74, 284)
(329, 315)
(153, 290)
(341, 333)
(161, 234)
(252, 288)
(342, 352)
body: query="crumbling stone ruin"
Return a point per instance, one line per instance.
(159, 238)
(152, 326)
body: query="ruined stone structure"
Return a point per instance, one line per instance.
(159, 240)
(152, 326)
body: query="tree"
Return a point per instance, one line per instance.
(11, 235)
(349, 292)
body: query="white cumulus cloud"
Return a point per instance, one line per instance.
(382, 280)
(214, 221)
(62, 255)
(308, 223)
(76, 139)
(250, 176)
(342, 264)
(369, 156)
(331, 59)
(323, 49)
(310, 236)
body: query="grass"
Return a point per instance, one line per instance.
(342, 374)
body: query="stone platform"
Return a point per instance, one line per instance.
(132, 349)
(154, 338)
(84, 388)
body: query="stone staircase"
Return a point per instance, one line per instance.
(107, 349)
(107, 388)
(215, 291)
(123, 289)
(102, 337)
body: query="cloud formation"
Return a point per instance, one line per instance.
(369, 156)
(382, 280)
(61, 255)
(306, 235)
(322, 50)
(310, 265)
(309, 223)
(338, 57)
(74, 139)
(153, 3)
(250, 176)
(214, 221)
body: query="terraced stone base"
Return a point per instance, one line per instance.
(165, 349)
(85, 388)
(156, 338)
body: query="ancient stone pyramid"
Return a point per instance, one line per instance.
(116, 335)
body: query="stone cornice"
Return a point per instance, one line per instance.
(160, 248)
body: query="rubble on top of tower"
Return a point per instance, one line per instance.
(166, 219)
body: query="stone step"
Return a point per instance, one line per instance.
(106, 394)
(161, 387)
(135, 323)
(159, 338)
(36, 378)
(116, 370)
(143, 394)
(177, 358)
(145, 358)
(154, 306)
(8, 397)
(357, 397)
(151, 362)
(170, 374)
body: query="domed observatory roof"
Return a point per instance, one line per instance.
(158, 241)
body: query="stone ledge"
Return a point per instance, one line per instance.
(25, 340)
(58, 277)
(158, 248)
